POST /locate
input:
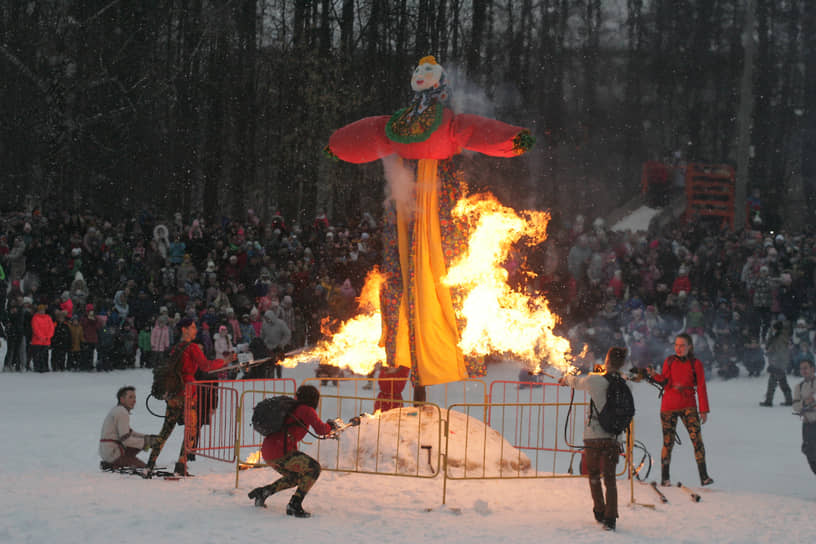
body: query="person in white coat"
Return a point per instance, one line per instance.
(118, 443)
(804, 405)
(602, 449)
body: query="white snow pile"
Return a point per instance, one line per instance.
(407, 441)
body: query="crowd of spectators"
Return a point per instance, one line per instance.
(725, 288)
(112, 290)
(115, 288)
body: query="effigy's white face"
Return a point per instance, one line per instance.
(426, 76)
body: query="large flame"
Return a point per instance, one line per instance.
(356, 344)
(496, 318)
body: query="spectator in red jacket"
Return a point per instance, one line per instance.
(67, 305)
(42, 329)
(681, 282)
(90, 337)
(280, 451)
(683, 380)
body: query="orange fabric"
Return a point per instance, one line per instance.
(439, 358)
(403, 350)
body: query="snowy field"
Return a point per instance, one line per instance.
(53, 492)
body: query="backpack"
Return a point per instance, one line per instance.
(168, 381)
(270, 414)
(619, 409)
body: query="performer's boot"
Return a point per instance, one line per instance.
(259, 494)
(295, 508)
(705, 479)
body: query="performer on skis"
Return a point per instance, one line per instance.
(683, 381)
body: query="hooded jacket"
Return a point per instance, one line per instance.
(42, 329)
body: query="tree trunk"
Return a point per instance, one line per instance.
(744, 117)
(808, 153)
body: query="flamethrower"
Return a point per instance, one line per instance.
(338, 426)
(640, 374)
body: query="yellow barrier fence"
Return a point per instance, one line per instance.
(464, 441)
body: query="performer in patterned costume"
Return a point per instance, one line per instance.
(420, 327)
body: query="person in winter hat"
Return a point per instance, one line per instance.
(777, 351)
(276, 336)
(280, 451)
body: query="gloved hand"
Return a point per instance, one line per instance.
(332, 423)
(354, 421)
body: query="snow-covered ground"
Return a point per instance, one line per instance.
(52, 490)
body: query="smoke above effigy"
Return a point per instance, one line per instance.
(495, 318)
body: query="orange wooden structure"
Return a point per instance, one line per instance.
(710, 190)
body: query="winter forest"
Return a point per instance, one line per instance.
(211, 106)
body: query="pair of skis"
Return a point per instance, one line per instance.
(694, 496)
(142, 472)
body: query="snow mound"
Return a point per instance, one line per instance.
(408, 440)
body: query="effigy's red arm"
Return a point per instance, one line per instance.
(361, 141)
(489, 136)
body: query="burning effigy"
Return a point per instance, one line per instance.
(430, 289)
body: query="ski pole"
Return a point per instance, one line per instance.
(692, 495)
(663, 498)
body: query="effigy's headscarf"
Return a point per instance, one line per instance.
(423, 115)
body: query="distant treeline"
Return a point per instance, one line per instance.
(214, 106)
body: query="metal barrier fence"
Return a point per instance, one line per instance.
(215, 433)
(516, 435)
(385, 444)
(553, 413)
(222, 429)
(485, 453)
